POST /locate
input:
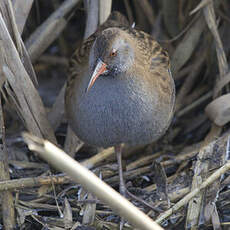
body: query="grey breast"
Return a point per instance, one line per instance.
(116, 110)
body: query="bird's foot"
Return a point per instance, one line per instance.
(127, 194)
(123, 192)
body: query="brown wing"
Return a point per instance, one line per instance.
(81, 55)
(157, 60)
(150, 48)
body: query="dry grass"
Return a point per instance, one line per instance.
(184, 176)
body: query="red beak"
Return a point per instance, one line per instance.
(99, 69)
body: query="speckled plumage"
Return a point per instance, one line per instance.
(133, 103)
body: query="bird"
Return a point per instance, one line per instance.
(120, 89)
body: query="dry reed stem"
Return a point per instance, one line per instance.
(46, 33)
(216, 175)
(193, 214)
(91, 182)
(7, 199)
(21, 10)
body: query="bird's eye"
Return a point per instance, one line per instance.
(113, 53)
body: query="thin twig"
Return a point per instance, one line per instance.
(193, 193)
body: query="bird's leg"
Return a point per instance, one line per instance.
(122, 187)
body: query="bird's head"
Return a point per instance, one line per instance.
(111, 54)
